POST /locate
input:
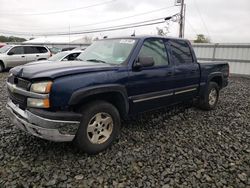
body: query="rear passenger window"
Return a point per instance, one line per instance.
(155, 48)
(42, 50)
(30, 50)
(180, 52)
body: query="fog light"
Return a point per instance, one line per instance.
(38, 103)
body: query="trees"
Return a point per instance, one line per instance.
(11, 39)
(200, 38)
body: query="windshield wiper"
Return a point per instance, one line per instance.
(96, 60)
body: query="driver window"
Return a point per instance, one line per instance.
(17, 50)
(155, 48)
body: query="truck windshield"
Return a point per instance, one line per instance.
(5, 48)
(111, 51)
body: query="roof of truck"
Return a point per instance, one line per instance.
(145, 37)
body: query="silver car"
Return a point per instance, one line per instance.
(14, 55)
(65, 56)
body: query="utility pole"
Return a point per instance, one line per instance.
(181, 29)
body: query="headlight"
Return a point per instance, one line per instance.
(38, 103)
(41, 87)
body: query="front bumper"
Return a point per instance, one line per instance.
(49, 129)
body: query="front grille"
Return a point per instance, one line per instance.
(19, 82)
(18, 99)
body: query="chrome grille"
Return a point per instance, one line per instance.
(16, 98)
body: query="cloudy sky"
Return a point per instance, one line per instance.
(221, 20)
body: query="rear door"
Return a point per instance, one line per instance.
(151, 87)
(42, 52)
(31, 53)
(186, 70)
(16, 56)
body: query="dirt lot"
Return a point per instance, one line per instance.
(192, 149)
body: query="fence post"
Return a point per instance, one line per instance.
(214, 51)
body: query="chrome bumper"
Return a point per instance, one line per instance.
(54, 130)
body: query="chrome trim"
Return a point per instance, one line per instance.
(202, 83)
(185, 91)
(13, 88)
(41, 127)
(154, 97)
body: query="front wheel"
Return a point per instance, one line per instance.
(99, 127)
(211, 97)
(1, 67)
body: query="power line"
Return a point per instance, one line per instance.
(192, 28)
(59, 11)
(204, 24)
(113, 28)
(117, 19)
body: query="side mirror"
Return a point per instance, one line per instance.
(10, 53)
(144, 62)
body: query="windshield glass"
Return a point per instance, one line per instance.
(58, 56)
(5, 48)
(111, 51)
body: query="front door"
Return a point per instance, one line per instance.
(151, 87)
(16, 56)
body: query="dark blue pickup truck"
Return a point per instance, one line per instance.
(84, 100)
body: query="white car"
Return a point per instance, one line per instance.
(14, 55)
(65, 56)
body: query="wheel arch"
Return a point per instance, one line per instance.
(114, 94)
(2, 63)
(217, 78)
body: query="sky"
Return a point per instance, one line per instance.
(223, 21)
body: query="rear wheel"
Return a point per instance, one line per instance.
(211, 97)
(99, 127)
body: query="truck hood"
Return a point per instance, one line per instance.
(53, 70)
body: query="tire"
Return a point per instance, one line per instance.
(1, 67)
(211, 97)
(94, 135)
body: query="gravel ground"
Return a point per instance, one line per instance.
(191, 149)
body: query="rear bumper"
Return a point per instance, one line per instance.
(49, 129)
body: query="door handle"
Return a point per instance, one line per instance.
(169, 73)
(37, 55)
(193, 71)
(22, 56)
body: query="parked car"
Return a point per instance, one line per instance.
(68, 49)
(15, 55)
(84, 101)
(55, 50)
(82, 48)
(2, 45)
(65, 56)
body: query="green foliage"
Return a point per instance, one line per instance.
(11, 39)
(200, 38)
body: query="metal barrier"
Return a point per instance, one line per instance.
(237, 55)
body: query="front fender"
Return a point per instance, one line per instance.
(80, 94)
